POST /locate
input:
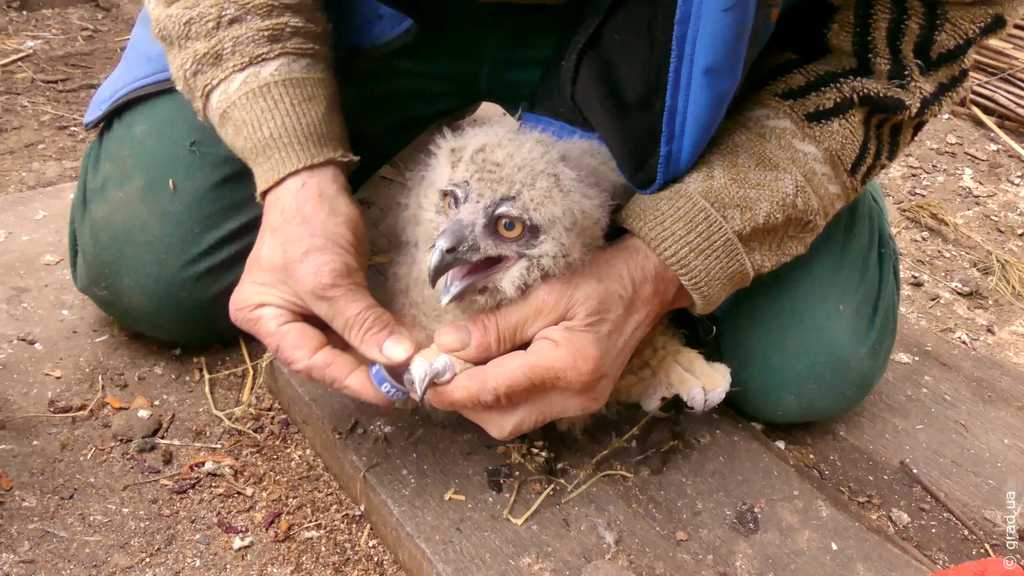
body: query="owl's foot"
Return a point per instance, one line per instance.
(706, 386)
(675, 371)
(430, 366)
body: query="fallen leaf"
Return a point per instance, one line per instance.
(282, 530)
(54, 373)
(5, 482)
(229, 528)
(140, 402)
(115, 402)
(184, 485)
(50, 260)
(269, 518)
(218, 457)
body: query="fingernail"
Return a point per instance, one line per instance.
(454, 338)
(397, 348)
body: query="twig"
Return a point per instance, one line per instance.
(83, 412)
(615, 445)
(305, 526)
(999, 132)
(149, 480)
(15, 58)
(597, 477)
(187, 444)
(165, 426)
(941, 499)
(670, 445)
(213, 407)
(533, 508)
(249, 376)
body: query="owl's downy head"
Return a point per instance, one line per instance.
(514, 206)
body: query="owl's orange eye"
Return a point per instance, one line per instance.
(510, 228)
(450, 202)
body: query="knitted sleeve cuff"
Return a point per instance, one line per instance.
(285, 125)
(693, 240)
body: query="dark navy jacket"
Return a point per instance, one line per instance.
(651, 78)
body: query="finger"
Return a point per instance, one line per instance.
(504, 381)
(495, 332)
(307, 350)
(366, 326)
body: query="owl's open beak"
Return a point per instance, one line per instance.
(456, 258)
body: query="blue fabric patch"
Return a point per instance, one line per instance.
(709, 53)
(142, 65)
(555, 128)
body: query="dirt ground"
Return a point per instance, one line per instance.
(69, 511)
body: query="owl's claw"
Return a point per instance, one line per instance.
(423, 373)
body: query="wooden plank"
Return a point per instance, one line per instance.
(956, 415)
(402, 481)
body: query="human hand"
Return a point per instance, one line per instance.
(303, 292)
(581, 328)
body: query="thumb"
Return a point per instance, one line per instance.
(366, 326)
(493, 333)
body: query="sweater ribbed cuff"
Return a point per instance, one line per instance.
(693, 240)
(286, 125)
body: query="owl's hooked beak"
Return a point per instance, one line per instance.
(456, 258)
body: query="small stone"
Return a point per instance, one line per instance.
(903, 358)
(54, 373)
(746, 519)
(916, 280)
(143, 445)
(166, 456)
(924, 507)
(976, 154)
(781, 444)
(128, 426)
(28, 338)
(241, 542)
(682, 536)
(144, 413)
(203, 539)
(899, 518)
(50, 260)
(952, 140)
(994, 516)
(961, 288)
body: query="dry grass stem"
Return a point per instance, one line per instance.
(83, 412)
(590, 482)
(529, 512)
(999, 132)
(213, 406)
(1006, 272)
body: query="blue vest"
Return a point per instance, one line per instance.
(712, 43)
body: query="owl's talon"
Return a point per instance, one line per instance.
(423, 373)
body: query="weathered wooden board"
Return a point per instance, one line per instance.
(402, 481)
(957, 416)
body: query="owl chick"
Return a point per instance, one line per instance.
(496, 208)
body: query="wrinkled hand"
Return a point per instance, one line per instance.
(581, 328)
(303, 292)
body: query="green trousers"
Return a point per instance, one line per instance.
(164, 217)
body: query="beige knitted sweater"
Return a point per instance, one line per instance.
(828, 107)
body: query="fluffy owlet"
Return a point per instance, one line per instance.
(494, 208)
